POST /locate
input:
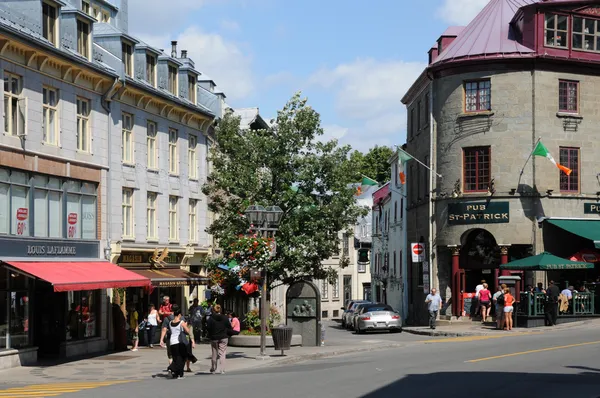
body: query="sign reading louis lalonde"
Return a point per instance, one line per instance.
(478, 213)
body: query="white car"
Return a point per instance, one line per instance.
(377, 317)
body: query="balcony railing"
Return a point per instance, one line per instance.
(533, 304)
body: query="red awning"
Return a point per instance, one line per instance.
(71, 276)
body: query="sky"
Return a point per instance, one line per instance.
(353, 60)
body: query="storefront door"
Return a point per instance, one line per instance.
(50, 329)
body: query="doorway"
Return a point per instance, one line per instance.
(479, 257)
(50, 329)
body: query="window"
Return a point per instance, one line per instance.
(192, 159)
(347, 288)
(173, 221)
(151, 69)
(568, 96)
(50, 116)
(85, 6)
(395, 212)
(15, 311)
(324, 290)
(173, 163)
(569, 157)
(394, 264)
(83, 318)
(336, 289)
(105, 16)
(556, 27)
(324, 314)
(81, 210)
(478, 96)
(586, 34)
(83, 125)
(127, 121)
(127, 58)
(151, 145)
(192, 88)
(412, 123)
(419, 116)
(172, 79)
(96, 12)
(151, 216)
(83, 38)
(47, 207)
(476, 169)
(127, 205)
(14, 105)
(49, 22)
(193, 226)
(336, 313)
(345, 248)
(426, 178)
(426, 110)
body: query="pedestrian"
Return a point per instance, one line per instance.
(152, 321)
(166, 308)
(164, 334)
(508, 309)
(498, 299)
(434, 303)
(178, 342)
(134, 326)
(196, 320)
(235, 322)
(219, 329)
(475, 303)
(551, 308)
(485, 297)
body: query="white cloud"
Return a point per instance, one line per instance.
(367, 96)
(229, 25)
(460, 12)
(157, 18)
(333, 131)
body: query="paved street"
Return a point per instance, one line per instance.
(524, 364)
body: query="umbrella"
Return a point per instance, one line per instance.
(545, 261)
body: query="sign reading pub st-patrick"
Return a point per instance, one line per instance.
(478, 213)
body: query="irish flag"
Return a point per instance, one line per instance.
(541, 150)
(364, 185)
(403, 157)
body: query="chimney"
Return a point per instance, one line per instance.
(433, 54)
(174, 49)
(184, 54)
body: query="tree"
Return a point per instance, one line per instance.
(286, 166)
(374, 164)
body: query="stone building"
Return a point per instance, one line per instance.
(520, 73)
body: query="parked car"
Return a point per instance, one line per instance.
(349, 309)
(377, 317)
(351, 320)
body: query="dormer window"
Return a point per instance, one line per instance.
(96, 12)
(50, 22)
(151, 69)
(105, 16)
(83, 38)
(172, 79)
(85, 6)
(127, 58)
(586, 34)
(192, 88)
(556, 30)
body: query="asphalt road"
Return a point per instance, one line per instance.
(553, 364)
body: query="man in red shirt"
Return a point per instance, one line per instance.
(166, 308)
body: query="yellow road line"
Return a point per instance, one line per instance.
(53, 390)
(514, 354)
(474, 338)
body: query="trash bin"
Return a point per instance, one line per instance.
(282, 337)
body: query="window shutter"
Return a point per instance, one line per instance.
(22, 122)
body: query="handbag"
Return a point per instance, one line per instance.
(183, 337)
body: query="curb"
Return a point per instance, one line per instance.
(441, 333)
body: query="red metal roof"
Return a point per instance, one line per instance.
(381, 193)
(489, 35)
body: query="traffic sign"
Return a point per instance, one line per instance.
(418, 252)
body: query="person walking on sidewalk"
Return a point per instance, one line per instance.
(134, 326)
(498, 299)
(196, 320)
(508, 309)
(153, 320)
(164, 334)
(178, 342)
(434, 304)
(551, 308)
(484, 302)
(219, 329)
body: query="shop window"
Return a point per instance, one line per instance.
(569, 157)
(556, 30)
(476, 169)
(568, 96)
(478, 96)
(82, 318)
(14, 309)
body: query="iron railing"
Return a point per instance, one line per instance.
(533, 304)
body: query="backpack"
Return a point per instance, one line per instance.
(500, 299)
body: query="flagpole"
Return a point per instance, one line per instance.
(530, 155)
(421, 163)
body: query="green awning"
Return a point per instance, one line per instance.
(588, 229)
(545, 261)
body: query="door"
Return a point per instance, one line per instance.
(50, 329)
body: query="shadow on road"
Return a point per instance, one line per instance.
(492, 385)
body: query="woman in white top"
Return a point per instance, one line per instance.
(179, 350)
(153, 320)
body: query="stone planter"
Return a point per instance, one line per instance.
(254, 341)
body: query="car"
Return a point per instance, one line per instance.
(351, 320)
(377, 317)
(349, 309)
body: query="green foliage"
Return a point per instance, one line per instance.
(374, 164)
(252, 320)
(285, 165)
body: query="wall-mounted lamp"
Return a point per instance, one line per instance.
(491, 187)
(549, 192)
(512, 191)
(107, 252)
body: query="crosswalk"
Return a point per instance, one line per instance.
(54, 390)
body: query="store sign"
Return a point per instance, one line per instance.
(478, 213)
(177, 283)
(11, 247)
(22, 215)
(591, 208)
(72, 229)
(144, 258)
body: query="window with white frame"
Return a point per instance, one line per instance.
(50, 22)
(83, 38)
(127, 205)
(192, 159)
(151, 145)
(151, 69)
(83, 125)
(127, 58)
(336, 289)
(151, 233)
(127, 138)
(172, 81)
(14, 105)
(192, 88)
(324, 289)
(173, 218)
(50, 115)
(85, 7)
(193, 235)
(173, 161)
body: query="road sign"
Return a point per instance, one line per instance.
(418, 252)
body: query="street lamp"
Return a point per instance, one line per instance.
(264, 220)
